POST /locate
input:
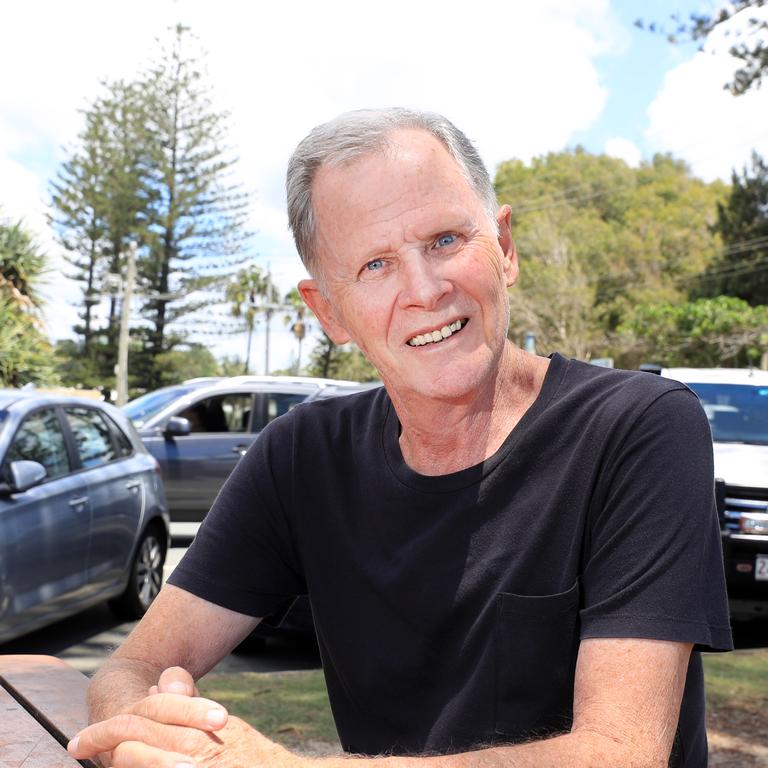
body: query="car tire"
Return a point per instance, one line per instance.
(146, 576)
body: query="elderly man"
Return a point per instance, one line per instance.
(512, 560)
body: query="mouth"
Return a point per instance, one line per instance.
(438, 334)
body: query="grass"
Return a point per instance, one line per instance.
(289, 707)
(737, 678)
(292, 707)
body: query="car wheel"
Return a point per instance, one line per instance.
(146, 576)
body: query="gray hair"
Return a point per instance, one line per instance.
(353, 135)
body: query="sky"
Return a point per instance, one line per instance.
(519, 78)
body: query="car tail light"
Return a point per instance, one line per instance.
(754, 522)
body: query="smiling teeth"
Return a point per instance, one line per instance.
(436, 335)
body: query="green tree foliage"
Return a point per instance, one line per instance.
(151, 166)
(99, 200)
(750, 40)
(705, 332)
(197, 222)
(334, 361)
(25, 354)
(194, 361)
(78, 370)
(596, 239)
(751, 46)
(741, 268)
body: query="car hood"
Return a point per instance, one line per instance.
(742, 464)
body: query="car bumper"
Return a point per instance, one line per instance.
(746, 572)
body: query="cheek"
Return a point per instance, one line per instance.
(367, 313)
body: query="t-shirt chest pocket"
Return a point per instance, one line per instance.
(537, 641)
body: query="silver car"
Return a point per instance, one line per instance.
(200, 429)
(83, 516)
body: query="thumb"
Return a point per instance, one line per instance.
(177, 680)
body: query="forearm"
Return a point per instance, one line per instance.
(574, 750)
(119, 683)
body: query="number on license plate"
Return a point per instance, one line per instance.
(761, 568)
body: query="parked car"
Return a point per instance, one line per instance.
(83, 515)
(736, 404)
(200, 429)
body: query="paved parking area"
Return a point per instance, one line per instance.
(86, 639)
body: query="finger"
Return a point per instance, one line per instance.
(107, 735)
(177, 680)
(191, 711)
(134, 754)
(153, 689)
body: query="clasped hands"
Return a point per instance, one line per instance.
(173, 727)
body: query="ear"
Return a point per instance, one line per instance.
(510, 265)
(316, 300)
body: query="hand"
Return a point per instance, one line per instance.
(175, 680)
(175, 730)
(171, 730)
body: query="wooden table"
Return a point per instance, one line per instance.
(42, 706)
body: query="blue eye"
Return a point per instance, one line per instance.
(374, 265)
(445, 240)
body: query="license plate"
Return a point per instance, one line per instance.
(761, 568)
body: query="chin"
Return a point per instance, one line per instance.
(458, 383)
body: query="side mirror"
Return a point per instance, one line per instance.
(23, 476)
(177, 426)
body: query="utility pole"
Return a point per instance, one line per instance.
(121, 369)
(268, 317)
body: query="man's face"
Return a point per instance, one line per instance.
(408, 256)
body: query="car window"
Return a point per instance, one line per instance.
(92, 436)
(737, 413)
(124, 445)
(222, 413)
(143, 408)
(40, 438)
(279, 403)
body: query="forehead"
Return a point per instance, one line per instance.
(412, 173)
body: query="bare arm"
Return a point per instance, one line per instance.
(627, 699)
(626, 706)
(178, 630)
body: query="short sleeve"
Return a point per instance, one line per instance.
(243, 557)
(654, 566)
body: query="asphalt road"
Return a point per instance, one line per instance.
(86, 639)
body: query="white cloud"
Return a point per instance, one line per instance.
(624, 149)
(696, 119)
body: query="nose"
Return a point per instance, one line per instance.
(421, 283)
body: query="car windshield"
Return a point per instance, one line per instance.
(737, 413)
(143, 408)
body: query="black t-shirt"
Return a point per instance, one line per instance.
(449, 609)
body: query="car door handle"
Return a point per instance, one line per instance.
(78, 502)
(133, 485)
(241, 449)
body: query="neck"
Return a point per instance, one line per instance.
(439, 437)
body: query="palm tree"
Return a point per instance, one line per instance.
(298, 311)
(21, 267)
(250, 293)
(25, 353)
